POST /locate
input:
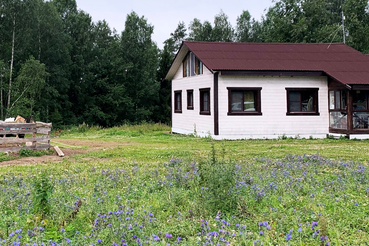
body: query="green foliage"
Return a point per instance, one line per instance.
(29, 152)
(28, 87)
(140, 59)
(42, 191)
(217, 181)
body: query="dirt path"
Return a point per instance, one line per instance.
(70, 147)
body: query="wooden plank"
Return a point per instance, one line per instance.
(42, 139)
(17, 149)
(18, 125)
(18, 131)
(42, 124)
(43, 130)
(58, 150)
(43, 146)
(13, 140)
(10, 149)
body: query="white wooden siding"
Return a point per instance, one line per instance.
(273, 122)
(190, 120)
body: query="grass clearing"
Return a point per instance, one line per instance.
(160, 188)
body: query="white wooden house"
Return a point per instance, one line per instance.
(269, 90)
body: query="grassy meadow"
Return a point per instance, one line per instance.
(160, 188)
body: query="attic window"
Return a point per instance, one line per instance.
(198, 66)
(192, 66)
(186, 66)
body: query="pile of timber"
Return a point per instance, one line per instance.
(16, 136)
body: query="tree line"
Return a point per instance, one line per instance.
(58, 65)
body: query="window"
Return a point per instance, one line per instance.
(338, 109)
(192, 66)
(302, 101)
(360, 115)
(186, 67)
(337, 100)
(244, 101)
(178, 102)
(205, 101)
(189, 99)
(198, 66)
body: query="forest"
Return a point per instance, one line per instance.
(60, 66)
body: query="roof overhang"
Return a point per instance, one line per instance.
(272, 73)
(177, 62)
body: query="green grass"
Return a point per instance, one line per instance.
(159, 145)
(249, 192)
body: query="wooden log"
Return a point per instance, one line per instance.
(58, 150)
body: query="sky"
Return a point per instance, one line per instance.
(165, 15)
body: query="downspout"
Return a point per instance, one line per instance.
(216, 105)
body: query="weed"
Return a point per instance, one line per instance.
(217, 181)
(42, 192)
(29, 152)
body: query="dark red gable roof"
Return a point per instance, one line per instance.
(337, 60)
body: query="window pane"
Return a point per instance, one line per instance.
(338, 120)
(249, 101)
(198, 66)
(343, 100)
(360, 120)
(338, 100)
(236, 100)
(307, 101)
(178, 101)
(295, 103)
(189, 99)
(206, 101)
(360, 100)
(331, 100)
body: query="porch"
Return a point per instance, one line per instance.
(349, 110)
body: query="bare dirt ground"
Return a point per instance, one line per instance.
(70, 148)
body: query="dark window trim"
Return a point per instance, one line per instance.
(301, 113)
(257, 101)
(202, 112)
(190, 107)
(175, 101)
